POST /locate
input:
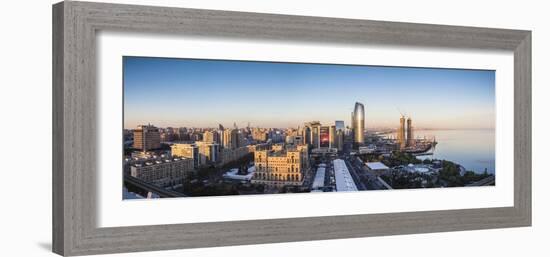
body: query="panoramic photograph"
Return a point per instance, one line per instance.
(198, 127)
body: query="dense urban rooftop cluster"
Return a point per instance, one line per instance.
(314, 157)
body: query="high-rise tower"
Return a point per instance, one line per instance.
(146, 137)
(339, 132)
(230, 138)
(410, 137)
(401, 137)
(312, 133)
(358, 122)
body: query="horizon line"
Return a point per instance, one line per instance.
(287, 127)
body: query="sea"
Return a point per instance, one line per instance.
(474, 149)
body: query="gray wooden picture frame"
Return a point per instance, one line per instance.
(75, 25)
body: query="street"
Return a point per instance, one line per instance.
(364, 180)
(368, 180)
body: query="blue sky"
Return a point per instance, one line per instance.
(203, 93)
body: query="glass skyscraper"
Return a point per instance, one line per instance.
(358, 123)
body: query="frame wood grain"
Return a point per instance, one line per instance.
(75, 25)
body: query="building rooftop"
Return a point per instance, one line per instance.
(376, 166)
(149, 162)
(233, 174)
(277, 153)
(319, 180)
(130, 195)
(281, 153)
(418, 168)
(344, 181)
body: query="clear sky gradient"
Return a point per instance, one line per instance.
(203, 93)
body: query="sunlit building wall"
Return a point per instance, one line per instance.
(190, 151)
(410, 136)
(358, 121)
(401, 136)
(163, 172)
(281, 167)
(146, 137)
(208, 136)
(208, 152)
(332, 136)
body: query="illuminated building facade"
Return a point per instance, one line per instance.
(410, 136)
(163, 172)
(401, 136)
(146, 137)
(405, 133)
(280, 166)
(324, 137)
(259, 135)
(190, 151)
(358, 124)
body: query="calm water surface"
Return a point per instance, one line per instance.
(473, 149)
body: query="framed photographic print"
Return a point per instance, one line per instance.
(183, 128)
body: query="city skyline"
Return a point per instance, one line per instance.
(204, 93)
